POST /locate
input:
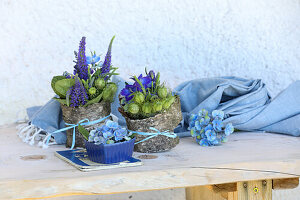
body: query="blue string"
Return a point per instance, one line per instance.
(154, 134)
(84, 122)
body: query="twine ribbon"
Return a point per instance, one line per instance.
(84, 122)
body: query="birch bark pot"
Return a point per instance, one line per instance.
(74, 115)
(165, 121)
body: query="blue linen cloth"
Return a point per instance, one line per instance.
(246, 103)
(49, 119)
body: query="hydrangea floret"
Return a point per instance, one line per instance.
(146, 96)
(109, 133)
(90, 82)
(209, 129)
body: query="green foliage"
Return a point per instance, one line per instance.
(62, 101)
(142, 86)
(53, 81)
(62, 86)
(95, 100)
(85, 133)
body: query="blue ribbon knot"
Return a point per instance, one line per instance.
(154, 134)
(84, 122)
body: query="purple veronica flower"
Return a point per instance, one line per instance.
(81, 67)
(78, 95)
(107, 62)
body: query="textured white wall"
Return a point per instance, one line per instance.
(182, 39)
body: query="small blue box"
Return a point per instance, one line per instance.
(110, 153)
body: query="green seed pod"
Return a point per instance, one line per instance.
(92, 91)
(166, 104)
(171, 99)
(113, 87)
(100, 83)
(139, 98)
(147, 108)
(154, 98)
(157, 106)
(133, 108)
(109, 92)
(106, 94)
(162, 92)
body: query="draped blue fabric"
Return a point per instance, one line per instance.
(246, 103)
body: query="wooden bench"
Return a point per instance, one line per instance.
(248, 167)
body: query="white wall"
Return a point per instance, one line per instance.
(182, 39)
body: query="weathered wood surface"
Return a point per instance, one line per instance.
(27, 171)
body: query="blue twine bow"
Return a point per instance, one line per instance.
(154, 134)
(84, 122)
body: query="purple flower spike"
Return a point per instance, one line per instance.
(78, 95)
(81, 67)
(107, 61)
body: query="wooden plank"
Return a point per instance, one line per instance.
(227, 187)
(201, 193)
(187, 165)
(254, 190)
(232, 196)
(288, 183)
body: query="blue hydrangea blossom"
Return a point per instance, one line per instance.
(209, 129)
(109, 133)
